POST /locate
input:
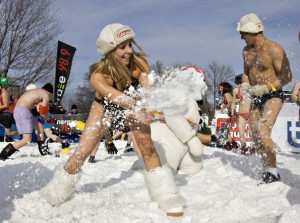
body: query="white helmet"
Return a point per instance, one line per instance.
(31, 87)
(112, 35)
(250, 23)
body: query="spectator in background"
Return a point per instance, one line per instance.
(61, 110)
(240, 109)
(26, 121)
(74, 109)
(6, 116)
(225, 90)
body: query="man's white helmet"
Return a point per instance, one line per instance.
(250, 23)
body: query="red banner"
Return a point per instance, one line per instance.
(234, 130)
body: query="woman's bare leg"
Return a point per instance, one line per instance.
(135, 146)
(95, 128)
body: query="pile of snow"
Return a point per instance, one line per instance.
(226, 190)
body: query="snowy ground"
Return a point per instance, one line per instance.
(226, 190)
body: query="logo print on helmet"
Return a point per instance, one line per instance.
(124, 33)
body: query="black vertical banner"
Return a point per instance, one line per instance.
(64, 60)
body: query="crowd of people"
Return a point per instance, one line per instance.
(258, 96)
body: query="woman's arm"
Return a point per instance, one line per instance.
(228, 98)
(235, 90)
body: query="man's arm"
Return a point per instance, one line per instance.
(295, 92)
(281, 67)
(245, 78)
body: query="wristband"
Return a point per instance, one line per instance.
(271, 87)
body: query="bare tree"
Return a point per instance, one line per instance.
(185, 64)
(216, 74)
(158, 67)
(28, 32)
(85, 95)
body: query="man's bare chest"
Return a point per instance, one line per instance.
(258, 61)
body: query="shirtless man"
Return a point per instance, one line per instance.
(26, 121)
(267, 69)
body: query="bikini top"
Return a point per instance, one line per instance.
(134, 83)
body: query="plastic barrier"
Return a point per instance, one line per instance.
(286, 131)
(223, 120)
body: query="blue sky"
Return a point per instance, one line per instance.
(178, 31)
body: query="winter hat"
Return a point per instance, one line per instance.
(250, 23)
(3, 82)
(30, 87)
(112, 35)
(48, 87)
(74, 107)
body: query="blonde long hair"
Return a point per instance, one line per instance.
(111, 66)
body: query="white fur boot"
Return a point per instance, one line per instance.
(61, 187)
(162, 189)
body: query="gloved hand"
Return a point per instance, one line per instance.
(43, 110)
(111, 148)
(259, 90)
(245, 86)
